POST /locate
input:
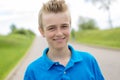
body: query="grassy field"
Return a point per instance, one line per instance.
(12, 49)
(105, 38)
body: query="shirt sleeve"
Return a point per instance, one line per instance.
(97, 71)
(28, 74)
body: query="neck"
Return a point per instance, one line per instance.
(61, 56)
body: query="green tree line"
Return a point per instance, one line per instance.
(15, 30)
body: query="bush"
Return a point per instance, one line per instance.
(23, 32)
(87, 24)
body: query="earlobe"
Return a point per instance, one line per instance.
(41, 31)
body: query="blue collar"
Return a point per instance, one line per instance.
(74, 58)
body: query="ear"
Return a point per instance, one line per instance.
(41, 31)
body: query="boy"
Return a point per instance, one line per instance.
(60, 61)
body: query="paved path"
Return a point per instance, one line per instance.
(109, 60)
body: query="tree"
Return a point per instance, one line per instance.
(104, 4)
(13, 27)
(87, 24)
(73, 34)
(21, 31)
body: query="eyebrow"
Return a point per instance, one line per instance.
(66, 24)
(50, 26)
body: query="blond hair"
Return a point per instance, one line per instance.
(52, 6)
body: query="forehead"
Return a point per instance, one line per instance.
(56, 18)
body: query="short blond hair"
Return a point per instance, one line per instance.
(52, 6)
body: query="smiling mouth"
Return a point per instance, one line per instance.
(59, 39)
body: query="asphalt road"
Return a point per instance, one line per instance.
(108, 59)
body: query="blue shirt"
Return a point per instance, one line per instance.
(82, 66)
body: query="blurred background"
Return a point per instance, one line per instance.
(24, 13)
(94, 22)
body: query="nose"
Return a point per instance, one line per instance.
(59, 32)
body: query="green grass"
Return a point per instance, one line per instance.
(12, 49)
(105, 38)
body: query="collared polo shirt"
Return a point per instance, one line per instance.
(81, 66)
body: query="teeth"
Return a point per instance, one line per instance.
(59, 39)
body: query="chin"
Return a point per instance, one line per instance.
(61, 46)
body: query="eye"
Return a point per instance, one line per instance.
(64, 26)
(51, 29)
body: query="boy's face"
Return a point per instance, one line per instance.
(56, 29)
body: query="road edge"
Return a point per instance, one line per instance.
(20, 62)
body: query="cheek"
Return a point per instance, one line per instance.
(67, 33)
(48, 35)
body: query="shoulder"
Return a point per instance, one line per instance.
(33, 68)
(35, 64)
(39, 63)
(81, 54)
(85, 55)
(88, 59)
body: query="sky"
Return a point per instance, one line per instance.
(24, 14)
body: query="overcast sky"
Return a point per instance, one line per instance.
(24, 14)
